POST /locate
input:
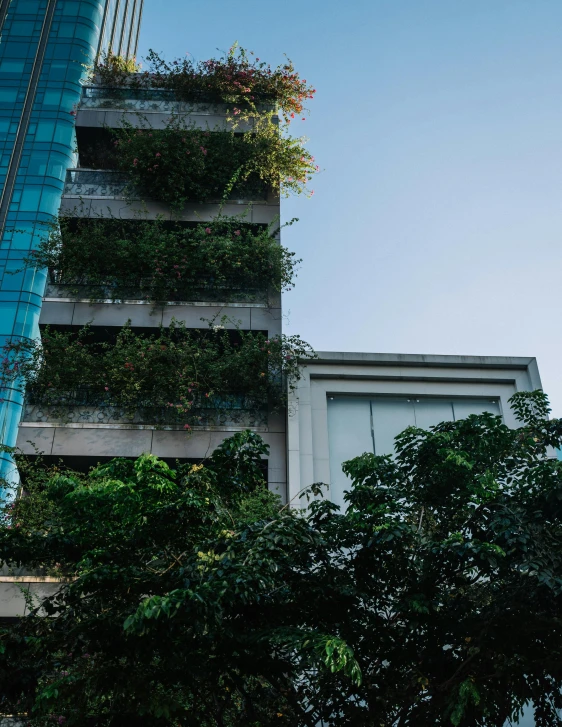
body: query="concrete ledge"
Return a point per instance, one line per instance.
(15, 592)
(257, 212)
(350, 358)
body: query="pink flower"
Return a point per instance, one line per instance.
(107, 388)
(135, 162)
(208, 230)
(203, 150)
(186, 426)
(236, 232)
(158, 154)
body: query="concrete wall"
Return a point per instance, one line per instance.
(17, 593)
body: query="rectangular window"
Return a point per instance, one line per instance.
(358, 424)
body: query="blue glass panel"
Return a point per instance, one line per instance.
(48, 150)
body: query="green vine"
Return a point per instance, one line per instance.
(226, 259)
(181, 163)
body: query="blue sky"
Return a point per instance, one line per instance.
(436, 223)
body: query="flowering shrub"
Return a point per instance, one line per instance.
(238, 79)
(161, 262)
(181, 163)
(173, 370)
(114, 70)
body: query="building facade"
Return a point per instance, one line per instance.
(45, 49)
(92, 431)
(350, 403)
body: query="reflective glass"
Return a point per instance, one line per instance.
(370, 424)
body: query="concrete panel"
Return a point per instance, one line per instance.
(100, 118)
(55, 312)
(101, 442)
(277, 422)
(277, 463)
(91, 117)
(259, 212)
(16, 591)
(267, 319)
(197, 444)
(116, 314)
(32, 437)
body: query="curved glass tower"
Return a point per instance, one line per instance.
(45, 48)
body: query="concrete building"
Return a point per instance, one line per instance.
(90, 193)
(350, 403)
(45, 46)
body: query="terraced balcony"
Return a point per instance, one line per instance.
(87, 407)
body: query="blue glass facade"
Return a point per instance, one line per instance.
(45, 47)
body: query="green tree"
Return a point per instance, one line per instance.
(196, 599)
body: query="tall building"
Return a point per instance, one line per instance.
(45, 48)
(91, 186)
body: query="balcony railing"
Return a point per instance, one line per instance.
(86, 406)
(192, 291)
(95, 183)
(152, 99)
(109, 183)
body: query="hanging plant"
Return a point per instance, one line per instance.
(181, 163)
(226, 259)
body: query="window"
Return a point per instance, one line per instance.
(359, 424)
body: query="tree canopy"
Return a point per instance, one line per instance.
(191, 596)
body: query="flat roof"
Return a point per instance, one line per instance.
(415, 359)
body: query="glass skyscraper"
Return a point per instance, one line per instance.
(46, 47)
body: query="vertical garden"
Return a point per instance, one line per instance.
(177, 375)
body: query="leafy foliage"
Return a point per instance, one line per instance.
(435, 599)
(182, 163)
(171, 372)
(111, 69)
(171, 613)
(157, 261)
(238, 79)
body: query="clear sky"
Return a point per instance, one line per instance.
(436, 223)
